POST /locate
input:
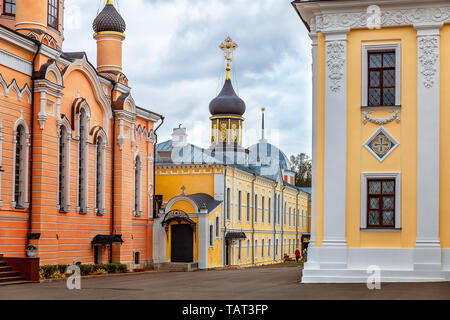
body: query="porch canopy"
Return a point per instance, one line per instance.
(107, 239)
(235, 235)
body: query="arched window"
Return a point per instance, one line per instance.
(82, 163)
(62, 198)
(99, 177)
(19, 170)
(137, 186)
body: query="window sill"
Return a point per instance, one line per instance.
(380, 230)
(370, 108)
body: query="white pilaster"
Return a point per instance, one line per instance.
(203, 240)
(334, 247)
(428, 249)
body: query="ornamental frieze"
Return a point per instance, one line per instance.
(428, 57)
(336, 64)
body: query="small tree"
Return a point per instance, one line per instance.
(302, 166)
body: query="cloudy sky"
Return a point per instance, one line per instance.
(175, 68)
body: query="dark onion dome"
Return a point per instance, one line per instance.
(227, 102)
(109, 20)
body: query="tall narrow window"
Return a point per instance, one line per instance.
(240, 250)
(99, 177)
(217, 227)
(53, 13)
(262, 248)
(9, 7)
(268, 249)
(290, 219)
(381, 78)
(19, 187)
(270, 210)
(211, 235)
(137, 186)
(62, 169)
(255, 249)
(256, 208)
(248, 249)
(240, 205)
(381, 203)
(228, 204)
(82, 163)
(275, 220)
(263, 208)
(276, 248)
(248, 207)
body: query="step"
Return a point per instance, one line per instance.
(3, 263)
(14, 282)
(6, 274)
(5, 268)
(9, 279)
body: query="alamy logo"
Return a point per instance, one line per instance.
(374, 17)
(74, 281)
(374, 279)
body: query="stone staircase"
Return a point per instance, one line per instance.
(177, 267)
(8, 276)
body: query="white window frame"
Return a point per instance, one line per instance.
(248, 249)
(100, 211)
(255, 208)
(249, 207)
(366, 48)
(228, 204)
(255, 248)
(398, 196)
(137, 186)
(85, 188)
(263, 209)
(24, 164)
(262, 248)
(240, 250)
(269, 212)
(239, 205)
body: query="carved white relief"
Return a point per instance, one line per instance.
(368, 117)
(428, 57)
(389, 17)
(335, 63)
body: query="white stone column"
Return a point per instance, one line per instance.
(334, 246)
(428, 249)
(312, 251)
(203, 239)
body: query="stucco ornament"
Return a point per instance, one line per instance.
(428, 57)
(368, 117)
(335, 63)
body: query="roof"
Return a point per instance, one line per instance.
(268, 155)
(109, 20)
(227, 102)
(204, 200)
(307, 190)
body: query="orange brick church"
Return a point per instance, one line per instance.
(76, 152)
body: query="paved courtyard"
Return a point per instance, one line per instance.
(271, 283)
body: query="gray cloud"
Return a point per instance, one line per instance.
(172, 60)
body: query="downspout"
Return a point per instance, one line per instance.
(155, 214)
(30, 179)
(113, 171)
(253, 219)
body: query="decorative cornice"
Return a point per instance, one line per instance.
(400, 16)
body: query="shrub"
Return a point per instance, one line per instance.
(57, 275)
(86, 269)
(121, 268)
(100, 271)
(48, 270)
(62, 268)
(110, 267)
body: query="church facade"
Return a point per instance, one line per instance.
(76, 152)
(226, 205)
(380, 140)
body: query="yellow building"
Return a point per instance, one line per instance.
(380, 107)
(226, 205)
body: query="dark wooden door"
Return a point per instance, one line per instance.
(182, 243)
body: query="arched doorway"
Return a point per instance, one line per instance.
(182, 244)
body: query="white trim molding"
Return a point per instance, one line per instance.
(366, 48)
(398, 195)
(389, 136)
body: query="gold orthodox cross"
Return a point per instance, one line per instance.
(228, 46)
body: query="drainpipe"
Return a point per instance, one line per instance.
(253, 219)
(155, 213)
(30, 179)
(113, 171)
